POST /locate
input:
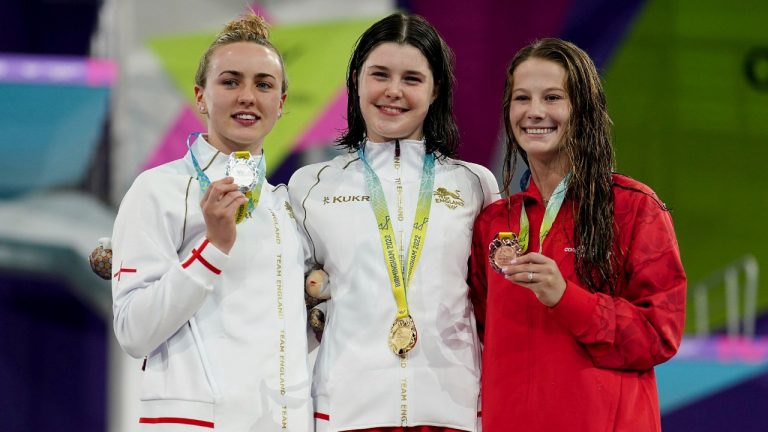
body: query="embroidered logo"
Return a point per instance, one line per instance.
(450, 199)
(579, 251)
(289, 209)
(345, 198)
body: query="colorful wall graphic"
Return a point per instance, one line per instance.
(315, 57)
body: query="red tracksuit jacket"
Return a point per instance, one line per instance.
(587, 363)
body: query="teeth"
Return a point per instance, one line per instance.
(391, 110)
(246, 116)
(537, 131)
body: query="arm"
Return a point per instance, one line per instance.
(488, 183)
(477, 279)
(490, 187)
(298, 190)
(642, 325)
(154, 292)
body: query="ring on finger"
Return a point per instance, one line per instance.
(530, 276)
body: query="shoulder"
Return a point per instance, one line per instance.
(497, 209)
(280, 190)
(473, 171)
(468, 167)
(310, 174)
(627, 189)
(627, 183)
(159, 183)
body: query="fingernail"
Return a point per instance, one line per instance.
(503, 269)
(514, 261)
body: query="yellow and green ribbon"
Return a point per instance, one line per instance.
(553, 207)
(253, 195)
(400, 277)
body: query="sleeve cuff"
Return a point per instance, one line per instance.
(575, 309)
(205, 262)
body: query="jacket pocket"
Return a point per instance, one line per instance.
(179, 369)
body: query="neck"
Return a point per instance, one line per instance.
(393, 140)
(254, 148)
(547, 175)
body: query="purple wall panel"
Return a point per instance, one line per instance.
(54, 358)
(485, 35)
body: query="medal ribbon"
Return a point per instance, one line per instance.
(253, 195)
(553, 207)
(397, 279)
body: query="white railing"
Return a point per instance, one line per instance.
(740, 298)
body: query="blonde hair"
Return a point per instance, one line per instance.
(248, 28)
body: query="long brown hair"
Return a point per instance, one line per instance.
(589, 151)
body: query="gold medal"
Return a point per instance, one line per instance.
(503, 249)
(402, 336)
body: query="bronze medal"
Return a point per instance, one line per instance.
(503, 249)
(402, 336)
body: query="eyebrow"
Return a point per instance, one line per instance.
(549, 89)
(240, 74)
(408, 72)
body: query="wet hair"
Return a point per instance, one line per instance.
(589, 151)
(440, 131)
(248, 28)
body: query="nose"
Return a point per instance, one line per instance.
(393, 90)
(536, 109)
(246, 95)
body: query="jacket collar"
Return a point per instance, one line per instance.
(381, 157)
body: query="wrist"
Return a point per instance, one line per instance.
(223, 246)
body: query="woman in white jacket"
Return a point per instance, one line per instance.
(390, 222)
(208, 268)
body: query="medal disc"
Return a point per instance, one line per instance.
(402, 336)
(243, 175)
(244, 171)
(502, 250)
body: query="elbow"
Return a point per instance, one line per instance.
(137, 351)
(136, 347)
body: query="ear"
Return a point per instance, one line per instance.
(199, 100)
(435, 92)
(282, 102)
(354, 79)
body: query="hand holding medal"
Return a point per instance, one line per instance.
(503, 249)
(533, 270)
(221, 201)
(248, 175)
(538, 273)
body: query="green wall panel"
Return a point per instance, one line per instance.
(688, 123)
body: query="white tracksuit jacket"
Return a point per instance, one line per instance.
(358, 382)
(225, 335)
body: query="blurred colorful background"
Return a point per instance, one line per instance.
(92, 92)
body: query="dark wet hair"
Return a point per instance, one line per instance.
(440, 131)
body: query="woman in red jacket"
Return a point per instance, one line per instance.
(577, 280)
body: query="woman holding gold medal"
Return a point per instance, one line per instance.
(390, 223)
(208, 267)
(577, 279)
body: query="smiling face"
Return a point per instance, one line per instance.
(540, 109)
(242, 97)
(396, 87)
